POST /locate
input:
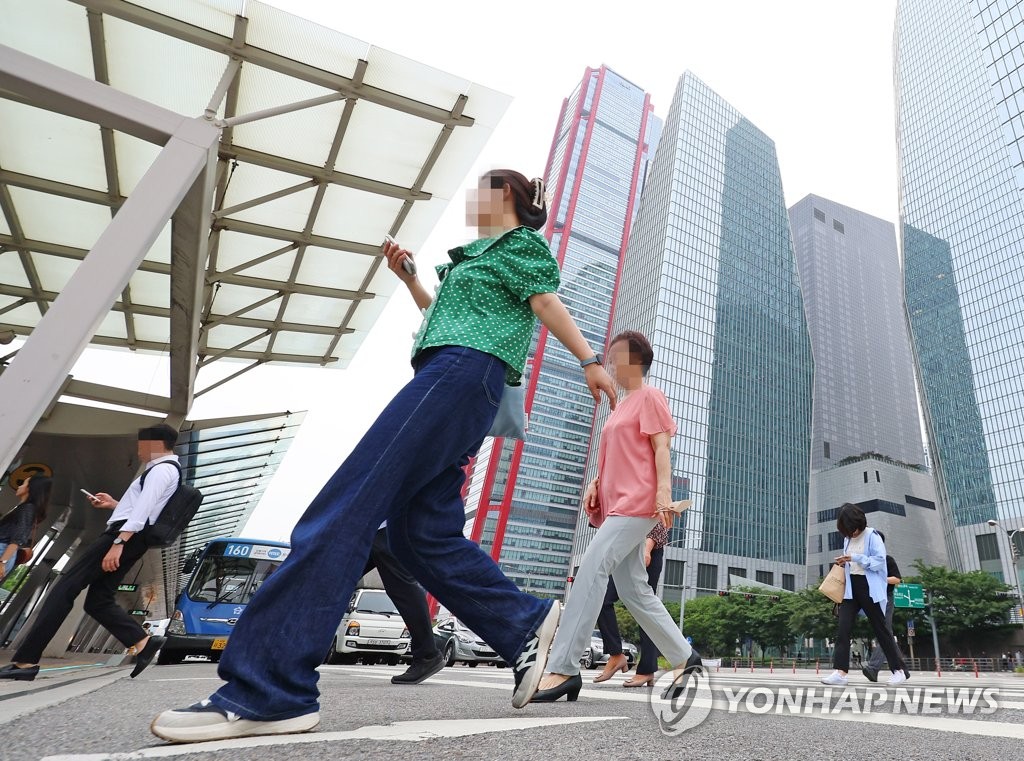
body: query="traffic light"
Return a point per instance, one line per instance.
(747, 596)
(722, 593)
(570, 579)
(773, 598)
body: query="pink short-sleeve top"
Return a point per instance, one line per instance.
(625, 457)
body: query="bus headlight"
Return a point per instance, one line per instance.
(177, 624)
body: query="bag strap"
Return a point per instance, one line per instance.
(142, 478)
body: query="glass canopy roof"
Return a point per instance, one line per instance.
(303, 199)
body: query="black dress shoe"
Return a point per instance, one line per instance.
(570, 688)
(694, 667)
(10, 671)
(418, 671)
(870, 673)
(147, 654)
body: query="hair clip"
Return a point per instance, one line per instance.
(538, 193)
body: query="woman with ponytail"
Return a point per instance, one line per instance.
(409, 469)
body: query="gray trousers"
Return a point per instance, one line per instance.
(616, 551)
(877, 659)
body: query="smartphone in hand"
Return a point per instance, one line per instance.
(407, 264)
(90, 496)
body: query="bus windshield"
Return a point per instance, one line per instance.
(233, 580)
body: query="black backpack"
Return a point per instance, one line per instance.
(179, 510)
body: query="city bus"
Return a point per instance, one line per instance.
(223, 577)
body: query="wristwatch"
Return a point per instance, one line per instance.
(118, 540)
(595, 360)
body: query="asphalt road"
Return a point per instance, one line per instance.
(96, 713)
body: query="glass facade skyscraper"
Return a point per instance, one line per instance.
(960, 105)
(710, 278)
(522, 498)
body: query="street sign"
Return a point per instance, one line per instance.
(908, 596)
(138, 612)
(127, 587)
(910, 628)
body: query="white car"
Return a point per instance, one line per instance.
(372, 631)
(157, 626)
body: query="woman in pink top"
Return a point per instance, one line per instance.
(630, 495)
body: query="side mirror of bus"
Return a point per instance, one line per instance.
(191, 562)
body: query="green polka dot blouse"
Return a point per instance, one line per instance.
(482, 301)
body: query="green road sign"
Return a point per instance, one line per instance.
(127, 587)
(908, 596)
(138, 612)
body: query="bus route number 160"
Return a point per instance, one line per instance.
(238, 550)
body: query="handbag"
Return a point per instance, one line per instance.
(510, 421)
(25, 553)
(833, 586)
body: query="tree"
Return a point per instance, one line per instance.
(968, 607)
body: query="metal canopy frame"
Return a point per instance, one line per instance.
(265, 317)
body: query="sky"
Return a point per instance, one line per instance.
(814, 75)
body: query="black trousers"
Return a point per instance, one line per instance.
(848, 610)
(86, 572)
(406, 594)
(609, 626)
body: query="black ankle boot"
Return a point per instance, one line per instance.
(10, 671)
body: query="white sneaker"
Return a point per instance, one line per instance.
(836, 678)
(529, 666)
(204, 721)
(898, 677)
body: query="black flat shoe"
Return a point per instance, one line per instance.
(694, 666)
(570, 688)
(148, 653)
(418, 671)
(10, 671)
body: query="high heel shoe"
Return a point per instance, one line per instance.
(639, 680)
(570, 688)
(694, 667)
(608, 673)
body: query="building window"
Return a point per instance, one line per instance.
(988, 547)
(674, 573)
(828, 451)
(789, 582)
(865, 476)
(911, 500)
(707, 579)
(738, 572)
(766, 577)
(838, 226)
(835, 540)
(878, 477)
(819, 544)
(819, 215)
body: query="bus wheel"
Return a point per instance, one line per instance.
(169, 659)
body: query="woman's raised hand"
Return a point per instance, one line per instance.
(395, 255)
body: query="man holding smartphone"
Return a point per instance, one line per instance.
(102, 565)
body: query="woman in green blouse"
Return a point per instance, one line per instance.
(409, 470)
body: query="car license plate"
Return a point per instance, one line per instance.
(219, 644)
(380, 642)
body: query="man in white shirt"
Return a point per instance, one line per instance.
(101, 566)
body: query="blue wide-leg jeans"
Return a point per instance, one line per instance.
(407, 469)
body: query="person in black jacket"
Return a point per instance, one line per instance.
(877, 660)
(18, 526)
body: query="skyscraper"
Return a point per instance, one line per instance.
(959, 106)
(709, 277)
(866, 443)
(523, 498)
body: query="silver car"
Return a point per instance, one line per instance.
(457, 643)
(595, 655)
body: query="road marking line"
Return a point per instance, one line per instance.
(19, 705)
(409, 731)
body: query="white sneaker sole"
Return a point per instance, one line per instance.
(229, 730)
(531, 681)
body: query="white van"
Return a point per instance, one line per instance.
(372, 631)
